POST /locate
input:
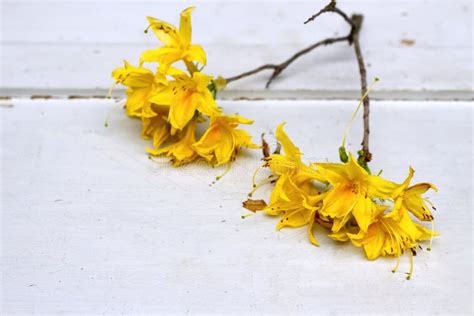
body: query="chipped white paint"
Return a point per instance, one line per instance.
(91, 226)
(70, 47)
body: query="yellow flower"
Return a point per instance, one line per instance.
(222, 140)
(156, 128)
(296, 204)
(409, 199)
(387, 237)
(185, 95)
(290, 162)
(182, 151)
(177, 42)
(352, 192)
(141, 84)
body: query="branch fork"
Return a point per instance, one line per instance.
(355, 23)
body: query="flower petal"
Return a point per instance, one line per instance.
(185, 27)
(165, 32)
(182, 109)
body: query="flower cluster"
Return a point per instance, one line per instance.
(171, 103)
(370, 211)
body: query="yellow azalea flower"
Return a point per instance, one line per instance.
(157, 129)
(182, 151)
(141, 84)
(177, 42)
(290, 162)
(297, 205)
(352, 192)
(409, 199)
(222, 140)
(387, 237)
(185, 95)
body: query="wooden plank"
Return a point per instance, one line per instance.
(90, 225)
(74, 45)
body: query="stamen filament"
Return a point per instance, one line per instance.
(392, 234)
(349, 125)
(429, 202)
(255, 176)
(432, 235)
(259, 185)
(107, 118)
(411, 266)
(225, 172)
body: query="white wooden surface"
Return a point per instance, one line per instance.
(67, 48)
(91, 226)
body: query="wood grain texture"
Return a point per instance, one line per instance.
(71, 47)
(91, 226)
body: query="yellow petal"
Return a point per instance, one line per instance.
(288, 147)
(364, 212)
(332, 173)
(162, 96)
(165, 55)
(206, 104)
(165, 32)
(380, 188)
(133, 77)
(225, 149)
(196, 53)
(405, 184)
(137, 99)
(338, 202)
(421, 188)
(160, 135)
(182, 109)
(354, 170)
(339, 236)
(294, 219)
(374, 247)
(185, 27)
(312, 239)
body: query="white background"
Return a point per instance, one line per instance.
(71, 47)
(89, 225)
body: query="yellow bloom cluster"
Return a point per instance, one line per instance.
(171, 103)
(371, 212)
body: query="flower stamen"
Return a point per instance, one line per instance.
(432, 235)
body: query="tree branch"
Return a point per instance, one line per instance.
(355, 22)
(331, 7)
(278, 68)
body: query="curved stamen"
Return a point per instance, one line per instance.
(432, 235)
(260, 184)
(430, 203)
(107, 118)
(225, 172)
(254, 176)
(349, 125)
(389, 231)
(411, 266)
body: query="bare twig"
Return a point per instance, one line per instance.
(331, 7)
(355, 22)
(278, 68)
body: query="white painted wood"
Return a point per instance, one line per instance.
(91, 226)
(70, 47)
